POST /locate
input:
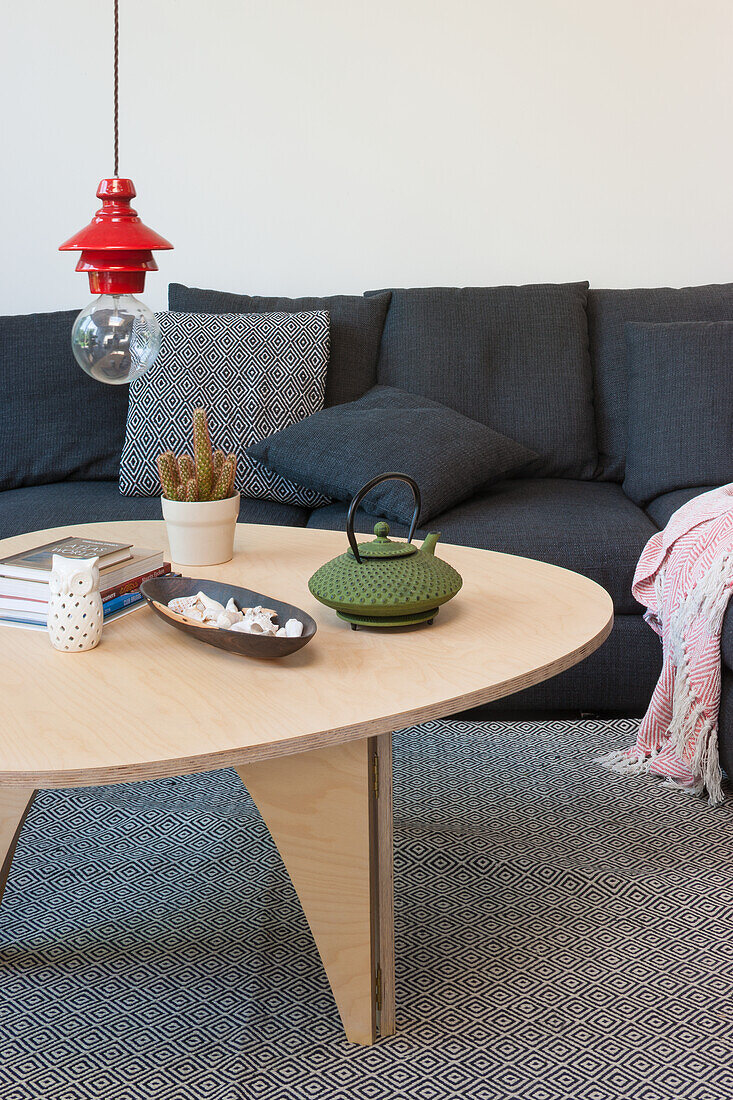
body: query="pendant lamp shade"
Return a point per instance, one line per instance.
(116, 247)
(116, 338)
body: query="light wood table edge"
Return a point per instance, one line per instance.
(233, 758)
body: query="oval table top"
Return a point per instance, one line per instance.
(149, 701)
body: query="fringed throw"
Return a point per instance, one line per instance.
(684, 578)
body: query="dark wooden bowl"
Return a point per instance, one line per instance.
(160, 590)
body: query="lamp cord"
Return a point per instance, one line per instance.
(117, 85)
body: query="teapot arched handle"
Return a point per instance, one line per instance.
(363, 492)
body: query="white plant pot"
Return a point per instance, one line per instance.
(201, 532)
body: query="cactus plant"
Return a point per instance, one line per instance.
(168, 473)
(202, 455)
(225, 481)
(186, 468)
(205, 476)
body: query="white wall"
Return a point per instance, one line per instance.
(314, 146)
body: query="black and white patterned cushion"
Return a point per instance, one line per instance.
(253, 373)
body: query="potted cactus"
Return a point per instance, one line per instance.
(200, 503)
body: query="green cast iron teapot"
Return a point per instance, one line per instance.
(385, 582)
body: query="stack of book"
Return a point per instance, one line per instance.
(24, 578)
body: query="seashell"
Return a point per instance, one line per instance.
(267, 629)
(232, 607)
(209, 601)
(257, 611)
(293, 629)
(261, 626)
(259, 621)
(193, 614)
(181, 604)
(244, 627)
(211, 608)
(225, 619)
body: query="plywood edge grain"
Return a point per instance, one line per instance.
(388, 723)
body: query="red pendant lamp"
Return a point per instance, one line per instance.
(116, 338)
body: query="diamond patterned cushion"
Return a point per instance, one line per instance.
(356, 329)
(254, 374)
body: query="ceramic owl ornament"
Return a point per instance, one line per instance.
(75, 613)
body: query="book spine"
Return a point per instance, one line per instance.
(40, 624)
(110, 606)
(134, 585)
(26, 603)
(22, 601)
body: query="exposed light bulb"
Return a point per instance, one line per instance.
(116, 338)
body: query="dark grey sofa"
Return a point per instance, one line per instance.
(572, 511)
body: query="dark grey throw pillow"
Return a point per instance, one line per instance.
(513, 357)
(356, 329)
(335, 452)
(680, 407)
(609, 311)
(57, 423)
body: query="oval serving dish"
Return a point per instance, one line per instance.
(160, 590)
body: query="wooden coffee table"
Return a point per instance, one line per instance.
(309, 735)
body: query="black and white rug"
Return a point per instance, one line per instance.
(563, 934)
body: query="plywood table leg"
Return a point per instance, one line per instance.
(330, 814)
(15, 802)
(384, 848)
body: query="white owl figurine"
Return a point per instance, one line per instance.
(75, 614)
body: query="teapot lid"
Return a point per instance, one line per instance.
(383, 547)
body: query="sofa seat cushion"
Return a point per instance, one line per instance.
(590, 527)
(617, 678)
(33, 509)
(512, 357)
(662, 509)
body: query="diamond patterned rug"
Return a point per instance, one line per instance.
(562, 933)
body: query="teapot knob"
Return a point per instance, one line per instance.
(381, 529)
(360, 496)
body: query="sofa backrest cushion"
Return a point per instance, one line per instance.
(680, 407)
(356, 329)
(513, 357)
(608, 313)
(57, 423)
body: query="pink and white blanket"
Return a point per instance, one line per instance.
(684, 578)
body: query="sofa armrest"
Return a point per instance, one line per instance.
(726, 638)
